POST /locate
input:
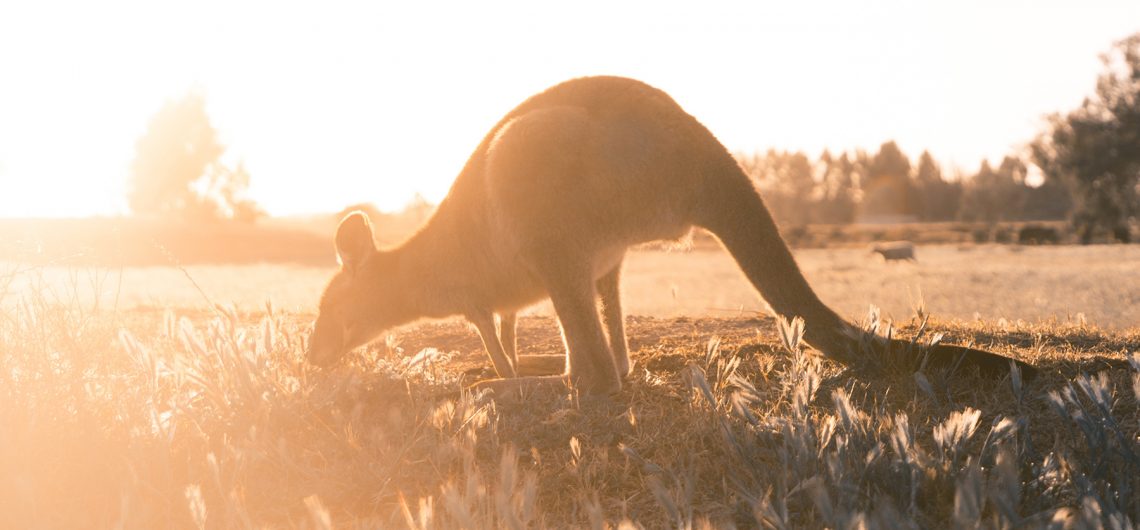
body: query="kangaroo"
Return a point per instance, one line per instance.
(898, 251)
(547, 206)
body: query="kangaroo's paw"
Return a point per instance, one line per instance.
(624, 369)
(530, 365)
(519, 387)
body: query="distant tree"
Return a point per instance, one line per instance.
(798, 183)
(995, 195)
(888, 190)
(1096, 148)
(763, 169)
(978, 204)
(754, 165)
(788, 183)
(840, 196)
(177, 168)
(221, 193)
(1052, 200)
(938, 200)
(1011, 174)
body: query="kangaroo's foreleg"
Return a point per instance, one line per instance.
(484, 321)
(507, 327)
(609, 291)
(546, 364)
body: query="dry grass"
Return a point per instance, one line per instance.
(993, 282)
(117, 418)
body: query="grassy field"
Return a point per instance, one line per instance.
(141, 407)
(990, 282)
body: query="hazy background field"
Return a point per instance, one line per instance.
(1030, 283)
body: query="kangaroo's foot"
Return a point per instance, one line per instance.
(519, 387)
(530, 365)
(552, 364)
(596, 380)
(624, 365)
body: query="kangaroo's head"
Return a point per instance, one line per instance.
(360, 301)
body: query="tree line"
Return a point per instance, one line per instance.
(888, 186)
(1089, 160)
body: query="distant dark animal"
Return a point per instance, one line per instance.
(1037, 235)
(902, 250)
(1122, 233)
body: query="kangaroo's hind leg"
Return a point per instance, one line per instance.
(508, 322)
(485, 322)
(590, 363)
(609, 291)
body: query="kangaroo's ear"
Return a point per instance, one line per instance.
(354, 240)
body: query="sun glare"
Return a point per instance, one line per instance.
(369, 103)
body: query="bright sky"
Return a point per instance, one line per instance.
(334, 103)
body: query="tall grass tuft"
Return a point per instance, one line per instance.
(177, 418)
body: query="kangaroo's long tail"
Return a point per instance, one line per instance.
(733, 211)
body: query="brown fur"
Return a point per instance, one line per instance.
(546, 207)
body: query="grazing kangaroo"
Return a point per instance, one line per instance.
(898, 251)
(547, 206)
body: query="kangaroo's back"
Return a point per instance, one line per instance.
(602, 157)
